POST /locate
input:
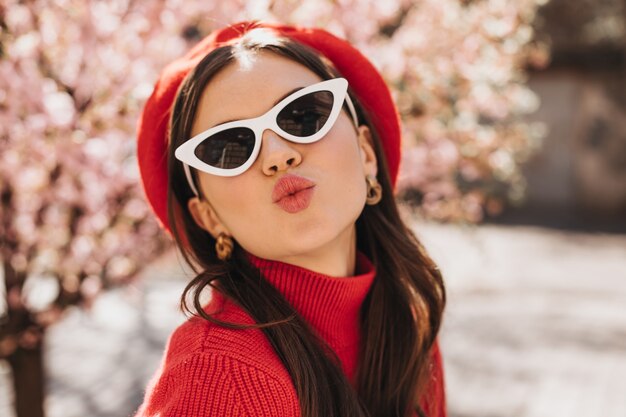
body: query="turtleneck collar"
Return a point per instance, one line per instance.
(331, 305)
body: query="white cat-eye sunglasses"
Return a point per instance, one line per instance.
(304, 116)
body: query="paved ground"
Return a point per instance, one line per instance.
(536, 321)
(535, 327)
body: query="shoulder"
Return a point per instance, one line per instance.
(210, 370)
(214, 384)
(198, 336)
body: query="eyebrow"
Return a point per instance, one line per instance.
(275, 103)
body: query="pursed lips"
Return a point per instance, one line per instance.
(290, 184)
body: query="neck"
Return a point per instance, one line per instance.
(336, 259)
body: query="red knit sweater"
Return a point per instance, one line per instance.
(209, 370)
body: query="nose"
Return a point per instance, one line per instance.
(277, 153)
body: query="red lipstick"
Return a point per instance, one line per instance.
(293, 193)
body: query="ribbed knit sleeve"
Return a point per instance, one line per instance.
(434, 399)
(214, 384)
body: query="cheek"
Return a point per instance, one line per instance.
(233, 199)
(342, 159)
(340, 164)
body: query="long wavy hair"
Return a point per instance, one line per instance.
(401, 314)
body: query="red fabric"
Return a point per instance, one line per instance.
(364, 79)
(208, 370)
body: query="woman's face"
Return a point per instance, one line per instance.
(242, 206)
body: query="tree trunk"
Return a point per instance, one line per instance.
(28, 380)
(23, 338)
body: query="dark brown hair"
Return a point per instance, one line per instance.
(401, 315)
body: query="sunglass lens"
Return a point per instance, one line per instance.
(306, 115)
(227, 149)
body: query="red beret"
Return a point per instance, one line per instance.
(362, 76)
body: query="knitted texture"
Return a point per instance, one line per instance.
(209, 370)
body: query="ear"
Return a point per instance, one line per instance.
(368, 155)
(206, 217)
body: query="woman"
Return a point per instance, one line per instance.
(282, 151)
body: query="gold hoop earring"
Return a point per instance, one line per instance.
(374, 190)
(224, 246)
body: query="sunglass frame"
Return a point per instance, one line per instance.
(337, 86)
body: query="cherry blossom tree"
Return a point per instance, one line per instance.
(73, 220)
(75, 73)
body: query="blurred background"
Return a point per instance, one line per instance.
(513, 176)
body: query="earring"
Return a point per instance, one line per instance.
(374, 190)
(224, 246)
